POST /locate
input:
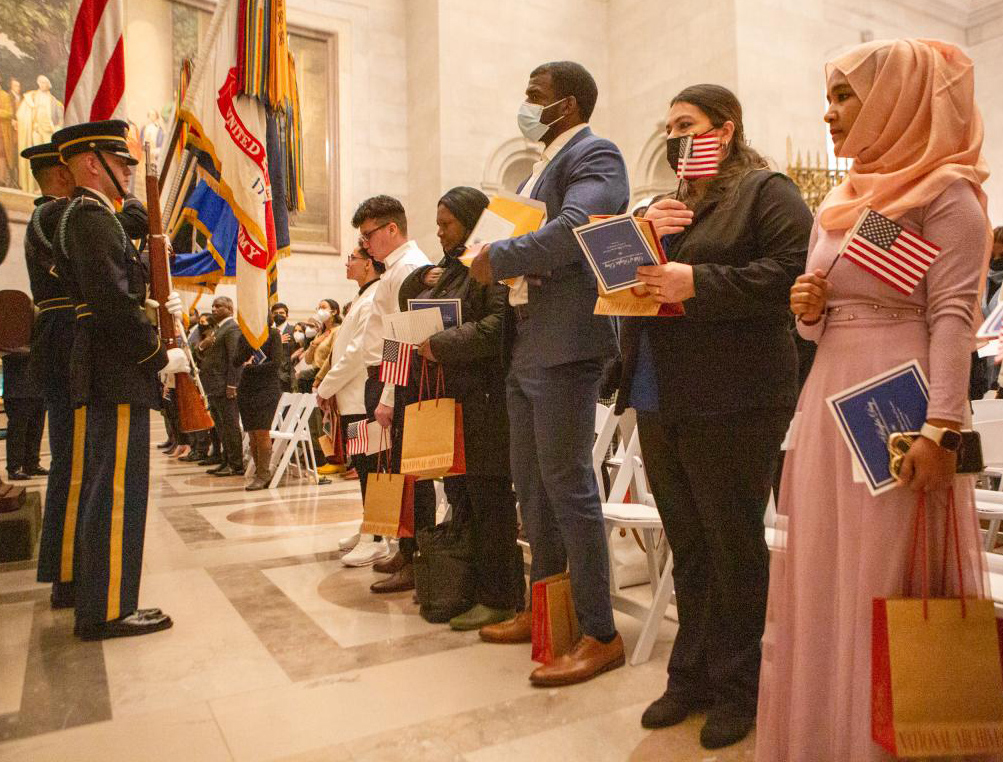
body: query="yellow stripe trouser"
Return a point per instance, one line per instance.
(118, 514)
(73, 498)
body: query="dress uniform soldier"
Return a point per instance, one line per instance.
(115, 360)
(51, 340)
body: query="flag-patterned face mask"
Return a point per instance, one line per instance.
(697, 154)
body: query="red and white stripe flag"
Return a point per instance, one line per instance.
(95, 73)
(889, 252)
(396, 365)
(699, 156)
(356, 438)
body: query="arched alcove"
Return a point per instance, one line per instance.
(653, 175)
(508, 165)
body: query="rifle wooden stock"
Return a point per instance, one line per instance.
(192, 408)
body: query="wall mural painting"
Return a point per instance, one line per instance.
(34, 48)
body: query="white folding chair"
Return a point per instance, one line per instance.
(643, 518)
(281, 410)
(989, 508)
(994, 567)
(286, 438)
(605, 428)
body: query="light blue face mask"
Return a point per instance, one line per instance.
(529, 119)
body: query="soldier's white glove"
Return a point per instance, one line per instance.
(174, 305)
(177, 362)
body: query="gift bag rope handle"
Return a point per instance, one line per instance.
(385, 445)
(919, 538)
(425, 384)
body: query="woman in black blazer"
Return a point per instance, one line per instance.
(714, 392)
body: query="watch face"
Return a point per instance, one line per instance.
(950, 440)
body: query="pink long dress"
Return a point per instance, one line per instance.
(843, 546)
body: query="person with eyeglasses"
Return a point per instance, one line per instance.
(345, 381)
(382, 226)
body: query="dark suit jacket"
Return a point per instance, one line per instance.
(733, 349)
(588, 176)
(218, 370)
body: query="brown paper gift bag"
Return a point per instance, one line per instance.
(389, 506)
(555, 624)
(433, 434)
(936, 678)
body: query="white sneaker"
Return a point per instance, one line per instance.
(367, 552)
(349, 542)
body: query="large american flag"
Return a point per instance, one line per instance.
(889, 252)
(356, 438)
(396, 365)
(95, 72)
(698, 156)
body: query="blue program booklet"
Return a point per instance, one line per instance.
(452, 313)
(615, 248)
(867, 413)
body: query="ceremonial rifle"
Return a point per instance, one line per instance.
(190, 396)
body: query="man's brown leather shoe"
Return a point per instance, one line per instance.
(390, 565)
(397, 582)
(518, 630)
(587, 659)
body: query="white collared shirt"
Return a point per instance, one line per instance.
(401, 262)
(519, 292)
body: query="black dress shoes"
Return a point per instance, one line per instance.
(226, 471)
(165, 445)
(193, 457)
(669, 710)
(141, 622)
(37, 471)
(219, 467)
(17, 476)
(724, 727)
(398, 582)
(211, 460)
(62, 596)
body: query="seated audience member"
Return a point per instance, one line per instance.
(258, 394)
(470, 357)
(346, 382)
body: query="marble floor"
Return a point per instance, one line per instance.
(279, 652)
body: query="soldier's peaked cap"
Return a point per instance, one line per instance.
(42, 156)
(107, 136)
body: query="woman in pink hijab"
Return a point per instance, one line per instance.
(904, 111)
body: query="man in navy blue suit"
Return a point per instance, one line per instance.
(555, 349)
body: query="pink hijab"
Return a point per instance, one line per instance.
(918, 130)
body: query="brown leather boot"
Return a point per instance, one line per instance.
(518, 630)
(588, 658)
(261, 451)
(390, 565)
(397, 582)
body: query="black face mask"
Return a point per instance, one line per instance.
(674, 147)
(996, 264)
(278, 319)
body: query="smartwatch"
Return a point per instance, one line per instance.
(949, 439)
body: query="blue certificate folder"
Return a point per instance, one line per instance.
(615, 248)
(867, 413)
(452, 315)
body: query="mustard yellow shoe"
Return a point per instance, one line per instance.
(330, 468)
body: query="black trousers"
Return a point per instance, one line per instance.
(485, 506)
(67, 433)
(711, 479)
(113, 512)
(25, 422)
(226, 418)
(424, 492)
(359, 462)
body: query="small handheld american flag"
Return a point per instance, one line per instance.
(889, 252)
(396, 365)
(698, 156)
(356, 438)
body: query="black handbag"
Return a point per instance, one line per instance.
(444, 572)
